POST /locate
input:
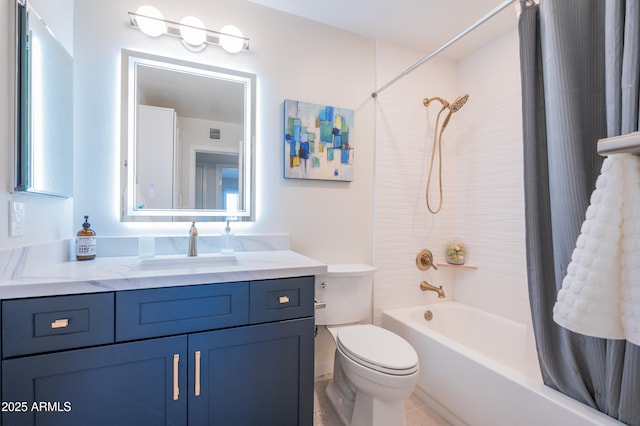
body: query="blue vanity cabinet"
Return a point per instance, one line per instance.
(214, 354)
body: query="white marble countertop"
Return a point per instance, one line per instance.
(28, 278)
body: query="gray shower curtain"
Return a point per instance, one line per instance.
(570, 51)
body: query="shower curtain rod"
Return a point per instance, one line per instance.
(444, 46)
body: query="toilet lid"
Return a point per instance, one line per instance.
(378, 349)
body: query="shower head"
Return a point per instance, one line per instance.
(459, 103)
(453, 107)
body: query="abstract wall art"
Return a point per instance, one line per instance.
(318, 141)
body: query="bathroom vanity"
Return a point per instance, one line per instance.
(230, 344)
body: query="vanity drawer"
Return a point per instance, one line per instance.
(281, 299)
(175, 310)
(54, 323)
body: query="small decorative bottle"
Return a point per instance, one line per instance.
(455, 253)
(86, 242)
(193, 240)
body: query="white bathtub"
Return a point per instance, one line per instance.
(475, 370)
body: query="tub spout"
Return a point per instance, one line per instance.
(425, 286)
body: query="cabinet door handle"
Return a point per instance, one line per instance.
(197, 374)
(60, 323)
(283, 299)
(176, 389)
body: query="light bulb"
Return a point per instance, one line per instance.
(192, 31)
(148, 25)
(228, 42)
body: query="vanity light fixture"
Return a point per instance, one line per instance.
(150, 21)
(193, 32)
(231, 39)
(190, 30)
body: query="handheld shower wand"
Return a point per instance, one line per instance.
(453, 107)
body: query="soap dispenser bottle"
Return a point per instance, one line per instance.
(86, 242)
(226, 246)
(193, 240)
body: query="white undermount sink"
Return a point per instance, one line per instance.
(184, 261)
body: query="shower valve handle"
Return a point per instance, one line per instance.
(424, 260)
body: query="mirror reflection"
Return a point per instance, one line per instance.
(188, 143)
(44, 108)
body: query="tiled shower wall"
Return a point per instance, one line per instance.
(482, 179)
(404, 135)
(490, 190)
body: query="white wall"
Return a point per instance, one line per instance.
(293, 58)
(482, 175)
(47, 218)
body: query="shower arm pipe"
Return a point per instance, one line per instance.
(444, 46)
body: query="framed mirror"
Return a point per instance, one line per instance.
(188, 136)
(43, 107)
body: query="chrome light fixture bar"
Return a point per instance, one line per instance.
(229, 38)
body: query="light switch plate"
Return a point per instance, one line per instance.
(16, 218)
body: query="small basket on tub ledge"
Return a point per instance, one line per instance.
(455, 255)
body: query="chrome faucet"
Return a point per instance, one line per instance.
(425, 286)
(193, 240)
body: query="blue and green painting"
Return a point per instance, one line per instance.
(318, 141)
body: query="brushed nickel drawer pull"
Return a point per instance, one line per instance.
(283, 299)
(176, 389)
(197, 381)
(60, 323)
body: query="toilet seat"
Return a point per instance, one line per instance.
(378, 349)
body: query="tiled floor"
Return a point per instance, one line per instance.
(418, 414)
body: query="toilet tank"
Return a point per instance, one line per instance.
(347, 290)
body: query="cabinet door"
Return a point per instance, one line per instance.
(139, 383)
(256, 375)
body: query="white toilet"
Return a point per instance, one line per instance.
(374, 369)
